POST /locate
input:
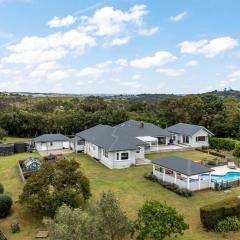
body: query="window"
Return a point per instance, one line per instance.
(51, 143)
(200, 138)
(80, 142)
(138, 151)
(117, 156)
(105, 153)
(174, 138)
(124, 156)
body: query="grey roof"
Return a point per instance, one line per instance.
(55, 137)
(133, 129)
(110, 138)
(186, 129)
(182, 165)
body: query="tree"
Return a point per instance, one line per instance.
(74, 224)
(157, 221)
(236, 152)
(3, 133)
(105, 221)
(113, 221)
(53, 185)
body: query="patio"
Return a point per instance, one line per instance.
(182, 172)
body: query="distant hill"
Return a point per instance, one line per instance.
(225, 93)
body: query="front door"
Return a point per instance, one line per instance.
(44, 146)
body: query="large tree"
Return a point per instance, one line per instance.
(157, 221)
(56, 183)
(105, 221)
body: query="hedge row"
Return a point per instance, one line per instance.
(222, 143)
(212, 153)
(211, 214)
(171, 186)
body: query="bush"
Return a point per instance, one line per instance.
(211, 214)
(222, 143)
(212, 163)
(1, 189)
(171, 186)
(15, 227)
(5, 205)
(227, 225)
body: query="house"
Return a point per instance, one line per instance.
(182, 172)
(123, 145)
(188, 134)
(77, 143)
(48, 142)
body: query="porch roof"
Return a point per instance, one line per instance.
(182, 165)
(148, 139)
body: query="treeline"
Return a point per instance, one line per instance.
(29, 116)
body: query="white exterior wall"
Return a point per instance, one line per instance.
(141, 154)
(45, 146)
(194, 143)
(110, 161)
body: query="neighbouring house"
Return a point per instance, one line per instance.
(192, 135)
(49, 142)
(183, 172)
(125, 144)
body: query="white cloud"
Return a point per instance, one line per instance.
(35, 50)
(108, 22)
(61, 22)
(118, 41)
(148, 32)
(231, 78)
(136, 77)
(122, 62)
(208, 48)
(178, 17)
(158, 59)
(191, 63)
(169, 72)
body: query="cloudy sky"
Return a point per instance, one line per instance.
(119, 46)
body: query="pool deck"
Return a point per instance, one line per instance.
(223, 170)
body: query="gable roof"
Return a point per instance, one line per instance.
(54, 137)
(186, 129)
(182, 165)
(134, 129)
(109, 138)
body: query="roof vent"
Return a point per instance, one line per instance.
(141, 125)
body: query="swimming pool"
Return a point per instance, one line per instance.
(230, 176)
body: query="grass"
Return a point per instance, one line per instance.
(15, 139)
(129, 186)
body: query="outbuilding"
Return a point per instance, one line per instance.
(48, 142)
(183, 172)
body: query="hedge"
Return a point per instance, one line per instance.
(227, 225)
(170, 186)
(213, 213)
(222, 143)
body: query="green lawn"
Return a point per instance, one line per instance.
(128, 184)
(15, 139)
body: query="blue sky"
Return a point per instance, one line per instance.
(119, 46)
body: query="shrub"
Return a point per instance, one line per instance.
(227, 225)
(1, 189)
(171, 186)
(15, 227)
(5, 205)
(212, 163)
(222, 143)
(213, 213)
(158, 221)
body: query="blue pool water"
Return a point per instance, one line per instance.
(230, 176)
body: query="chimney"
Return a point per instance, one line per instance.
(141, 125)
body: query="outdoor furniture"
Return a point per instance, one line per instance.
(42, 234)
(231, 165)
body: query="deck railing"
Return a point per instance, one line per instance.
(219, 186)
